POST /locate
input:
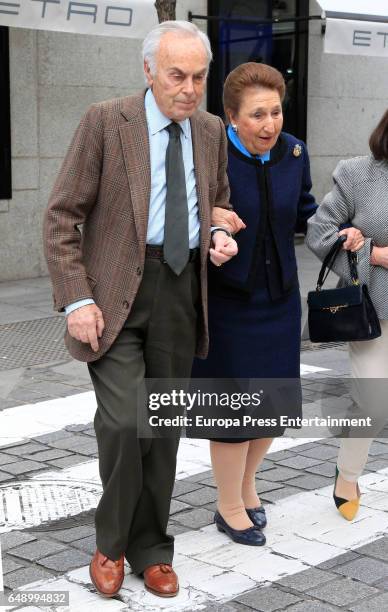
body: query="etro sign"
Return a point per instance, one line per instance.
(126, 18)
(356, 37)
(356, 27)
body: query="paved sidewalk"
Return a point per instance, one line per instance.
(49, 487)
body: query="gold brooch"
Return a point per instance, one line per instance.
(297, 150)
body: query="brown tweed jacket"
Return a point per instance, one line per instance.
(104, 186)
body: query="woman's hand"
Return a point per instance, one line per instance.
(379, 257)
(354, 239)
(224, 249)
(221, 217)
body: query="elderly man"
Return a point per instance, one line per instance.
(142, 176)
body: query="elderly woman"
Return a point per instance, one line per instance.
(360, 196)
(254, 300)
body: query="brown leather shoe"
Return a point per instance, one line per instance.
(161, 580)
(107, 575)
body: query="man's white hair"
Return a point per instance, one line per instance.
(185, 28)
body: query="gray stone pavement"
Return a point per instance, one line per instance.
(357, 580)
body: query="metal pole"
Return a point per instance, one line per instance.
(263, 21)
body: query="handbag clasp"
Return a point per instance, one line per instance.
(335, 309)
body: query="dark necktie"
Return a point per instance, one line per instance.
(176, 225)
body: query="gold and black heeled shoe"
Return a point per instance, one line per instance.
(348, 508)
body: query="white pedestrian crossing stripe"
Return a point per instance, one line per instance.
(54, 494)
(32, 420)
(303, 530)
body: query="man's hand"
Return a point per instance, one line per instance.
(86, 324)
(221, 217)
(354, 239)
(224, 249)
(379, 257)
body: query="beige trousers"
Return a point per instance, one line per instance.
(368, 360)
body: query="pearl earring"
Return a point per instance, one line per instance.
(234, 128)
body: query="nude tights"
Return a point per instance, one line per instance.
(234, 469)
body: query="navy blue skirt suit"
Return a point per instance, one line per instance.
(254, 299)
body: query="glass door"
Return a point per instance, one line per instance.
(265, 31)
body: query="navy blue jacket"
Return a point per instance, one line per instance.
(274, 201)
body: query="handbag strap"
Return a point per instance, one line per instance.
(329, 260)
(352, 259)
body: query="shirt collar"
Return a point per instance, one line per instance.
(239, 145)
(157, 121)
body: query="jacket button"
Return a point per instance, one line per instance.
(139, 271)
(125, 304)
(268, 261)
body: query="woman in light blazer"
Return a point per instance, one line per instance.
(360, 196)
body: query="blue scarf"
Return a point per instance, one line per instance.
(239, 145)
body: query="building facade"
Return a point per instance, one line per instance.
(332, 101)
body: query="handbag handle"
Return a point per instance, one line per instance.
(329, 260)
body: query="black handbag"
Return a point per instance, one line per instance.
(344, 314)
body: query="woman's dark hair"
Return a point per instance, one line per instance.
(378, 141)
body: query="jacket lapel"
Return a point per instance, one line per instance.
(201, 147)
(136, 151)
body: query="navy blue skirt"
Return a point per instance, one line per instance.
(253, 337)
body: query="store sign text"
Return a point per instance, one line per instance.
(107, 17)
(356, 37)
